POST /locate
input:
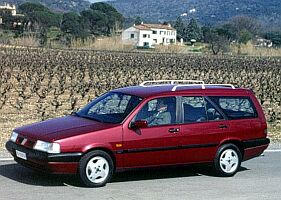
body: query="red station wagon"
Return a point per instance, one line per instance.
(158, 123)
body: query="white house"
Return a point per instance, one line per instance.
(148, 35)
(7, 8)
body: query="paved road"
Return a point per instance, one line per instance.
(259, 178)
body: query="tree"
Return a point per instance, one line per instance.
(244, 36)
(180, 27)
(193, 31)
(216, 41)
(38, 14)
(43, 37)
(103, 18)
(71, 23)
(241, 23)
(138, 20)
(228, 31)
(240, 29)
(29, 7)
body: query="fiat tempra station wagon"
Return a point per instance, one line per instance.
(158, 123)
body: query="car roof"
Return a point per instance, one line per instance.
(169, 89)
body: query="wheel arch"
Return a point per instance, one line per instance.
(106, 150)
(237, 143)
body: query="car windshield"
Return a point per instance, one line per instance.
(111, 107)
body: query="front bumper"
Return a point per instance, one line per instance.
(62, 163)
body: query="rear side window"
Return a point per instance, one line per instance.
(194, 109)
(236, 107)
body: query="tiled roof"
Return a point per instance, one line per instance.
(151, 26)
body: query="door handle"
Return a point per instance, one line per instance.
(223, 126)
(174, 130)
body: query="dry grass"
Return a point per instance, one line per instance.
(251, 50)
(170, 49)
(28, 41)
(102, 43)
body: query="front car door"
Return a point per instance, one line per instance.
(158, 143)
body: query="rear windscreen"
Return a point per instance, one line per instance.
(235, 107)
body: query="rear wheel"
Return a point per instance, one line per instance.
(227, 160)
(96, 168)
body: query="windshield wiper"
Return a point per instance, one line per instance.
(91, 118)
(75, 114)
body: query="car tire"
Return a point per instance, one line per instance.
(96, 168)
(228, 160)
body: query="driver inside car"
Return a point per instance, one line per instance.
(162, 116)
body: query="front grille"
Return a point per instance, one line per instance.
(26, 142)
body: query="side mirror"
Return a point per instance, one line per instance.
(139, 124)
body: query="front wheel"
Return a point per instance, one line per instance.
(227, 160)
(96, 168)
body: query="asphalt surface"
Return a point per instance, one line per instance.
(259, 178)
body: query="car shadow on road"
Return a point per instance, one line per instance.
(27, 176)
(166, 173)
(24, 175)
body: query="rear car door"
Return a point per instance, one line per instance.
(202, 129)
(158, 143)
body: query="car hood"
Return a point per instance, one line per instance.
(63, 127)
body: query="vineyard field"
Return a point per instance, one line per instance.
(37, 84)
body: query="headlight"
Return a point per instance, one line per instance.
(47, 147)
(14, 136)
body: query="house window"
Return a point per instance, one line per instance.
(154, 32)
(146, 44)
(146, 36)
(132, 36)
(155, 41)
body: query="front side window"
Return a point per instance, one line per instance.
(193, 109)
(160, 111)
(110, 108)
(132, 36)
(236, 107)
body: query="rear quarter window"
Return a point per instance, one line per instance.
(236, 107)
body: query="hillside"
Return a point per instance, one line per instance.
(207, 11)
(57, 5)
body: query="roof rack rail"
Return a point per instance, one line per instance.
(172, 82)
(181, 83)
(203, 86)
(223, 85)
